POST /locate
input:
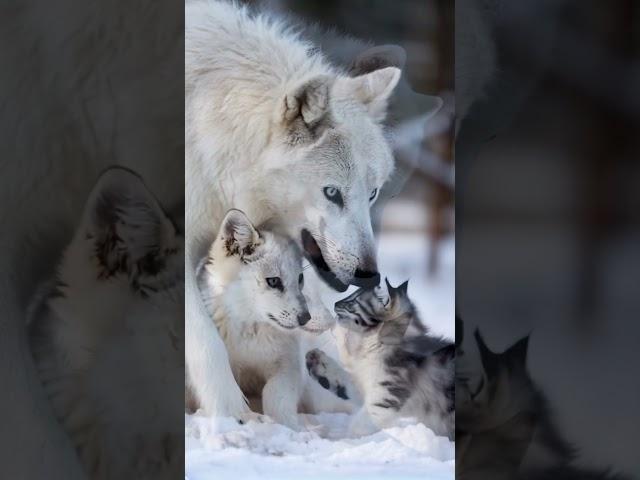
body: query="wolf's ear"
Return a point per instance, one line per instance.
(125, 223)
(375, 58)
(239, 235)
(305, 110)
(371, 89)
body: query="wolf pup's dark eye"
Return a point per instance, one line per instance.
(374, 192)
(333, 195)
(275, 282)
(301, 280)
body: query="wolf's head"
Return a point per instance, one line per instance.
(325, 166)
(376, 313)
(260, 272)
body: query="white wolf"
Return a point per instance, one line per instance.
(274, 130)
(252, 282)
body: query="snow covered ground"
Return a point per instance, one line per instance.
(221, 449)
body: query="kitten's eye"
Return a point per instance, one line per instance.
(333, 195)
(374, 192)
(301, 280)
(275, 282)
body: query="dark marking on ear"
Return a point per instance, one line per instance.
(341, 392)
(230, 247)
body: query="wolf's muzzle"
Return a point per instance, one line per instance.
(365, 278)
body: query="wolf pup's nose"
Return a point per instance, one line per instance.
(366, 279)
(303, 318)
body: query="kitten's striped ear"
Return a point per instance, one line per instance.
(125, 223)
(400, 290)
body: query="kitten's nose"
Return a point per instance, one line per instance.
(303, 318)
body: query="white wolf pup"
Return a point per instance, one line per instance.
(99, 367)
(275, 130)
(397, 376)
(252, 283)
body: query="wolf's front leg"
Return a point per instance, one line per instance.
(207, 362)
(281, 396)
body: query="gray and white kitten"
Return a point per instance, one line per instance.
(395, 375)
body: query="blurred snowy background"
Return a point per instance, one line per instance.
(414, 220)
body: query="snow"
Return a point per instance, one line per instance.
(221, 449)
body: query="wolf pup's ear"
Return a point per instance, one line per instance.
(375, 58)
(305, 110)
(371, 89)
(239, 234)
(126, 224)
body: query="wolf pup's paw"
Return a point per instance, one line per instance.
(317, 366)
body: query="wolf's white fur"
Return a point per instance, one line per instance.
(258, 323)
(269, 124)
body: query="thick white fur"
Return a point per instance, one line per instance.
(257, 323)
(247, 149)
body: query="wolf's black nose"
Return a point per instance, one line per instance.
(303, 318)
(366, 279)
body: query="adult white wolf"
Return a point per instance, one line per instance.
(274, 130)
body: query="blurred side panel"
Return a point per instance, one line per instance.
(90, 262)
(548, 229)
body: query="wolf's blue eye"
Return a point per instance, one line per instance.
(374, 192)
(275, 282)
(333, 195)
